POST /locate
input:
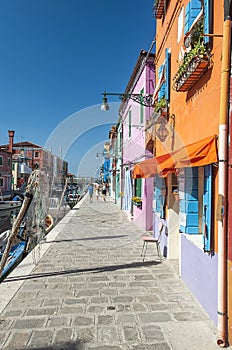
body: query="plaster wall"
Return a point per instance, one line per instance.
(199, 272)
(134, 144)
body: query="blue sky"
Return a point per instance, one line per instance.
(57, 57)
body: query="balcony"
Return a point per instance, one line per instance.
(195, 64)
(158, 8)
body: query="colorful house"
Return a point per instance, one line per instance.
(184, 128)
(27, 156)
(134, 111)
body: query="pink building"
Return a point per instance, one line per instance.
(137, 194)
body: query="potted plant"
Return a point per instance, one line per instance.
(161, 105)
(137, 201)
(194, 64)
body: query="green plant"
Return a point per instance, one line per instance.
(136, 199)
(162, 103)
(199, 50)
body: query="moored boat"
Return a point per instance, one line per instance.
(15, 255)
(7, 205)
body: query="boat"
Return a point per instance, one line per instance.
(15, 256)
(29, 226)
(8, 205)
(22, 246)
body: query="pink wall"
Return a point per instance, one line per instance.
(134, 145)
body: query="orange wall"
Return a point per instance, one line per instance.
(196, 111)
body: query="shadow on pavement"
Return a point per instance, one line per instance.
(77, 271)
(86, 239)
(78, 345)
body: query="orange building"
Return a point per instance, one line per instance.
(184, 132)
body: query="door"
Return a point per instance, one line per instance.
(207, 208)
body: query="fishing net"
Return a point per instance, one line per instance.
(35, 218)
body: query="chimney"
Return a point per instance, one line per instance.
(11, 140)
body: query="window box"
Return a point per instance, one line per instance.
(137, 202)
(194, 65)
(159, 8)
(191, 73)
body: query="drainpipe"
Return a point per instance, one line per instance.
(222, 180)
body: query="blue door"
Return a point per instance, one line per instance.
(207, 208)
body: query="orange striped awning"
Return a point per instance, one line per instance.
(199, 153)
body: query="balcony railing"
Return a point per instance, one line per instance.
(158, 8)
(195, 64)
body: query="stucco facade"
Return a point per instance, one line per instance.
(134, 116)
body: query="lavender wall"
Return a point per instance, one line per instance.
(199, 272)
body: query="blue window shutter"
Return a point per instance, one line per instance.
(162, 90)
(138, 188)
(189, 204)
(158, 197)
(129, 126)
(159, 74)
(195, 9)
(206, 19)
(187, 18)
(167, 75)
(207, 208)
(192, 10)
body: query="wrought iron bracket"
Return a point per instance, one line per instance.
(144, 100)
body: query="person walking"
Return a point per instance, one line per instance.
(97, 192)
(90, 189)
(104, 192)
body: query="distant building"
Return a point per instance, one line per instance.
(27, 156)
(5, 171)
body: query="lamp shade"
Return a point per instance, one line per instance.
(104, 106)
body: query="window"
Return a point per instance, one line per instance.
(167, 74)
(180, 24)
(36, 154)
(196, 198)
(207, 19)
(138, 187)
(141, 109)
(0, 160)
(9, 162)
(13, 166)
(159, 196)
(1, 181)
(207, 208)
(188, 194)
(129, 125)
(192, 10)
(162, 90)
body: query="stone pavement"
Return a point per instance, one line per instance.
(86, 287)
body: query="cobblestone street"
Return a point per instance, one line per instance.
(86, 287)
